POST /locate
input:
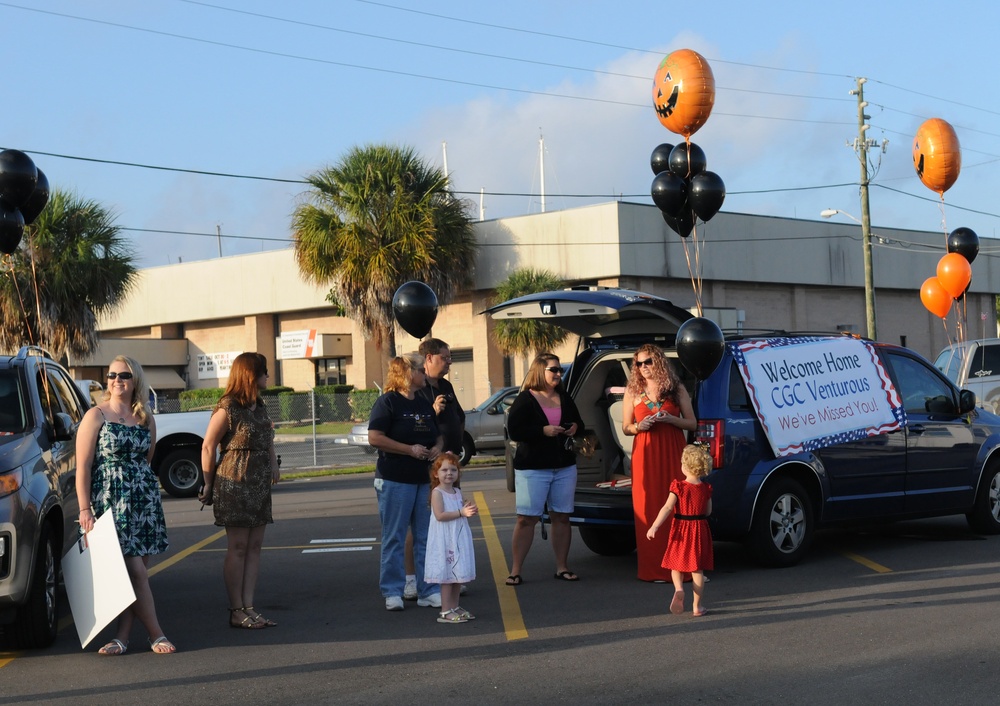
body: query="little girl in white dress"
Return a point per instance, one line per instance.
(450, 558)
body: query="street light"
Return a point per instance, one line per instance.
(866, 241)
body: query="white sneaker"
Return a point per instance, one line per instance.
(432, 601)
(410, 589)
(396, 603)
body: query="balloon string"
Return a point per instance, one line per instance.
(694, 286)
(38, 299)
(697, 264)
(20, 299)
(944, 221)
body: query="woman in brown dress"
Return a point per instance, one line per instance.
(238, 484)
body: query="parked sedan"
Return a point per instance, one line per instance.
(483, 427)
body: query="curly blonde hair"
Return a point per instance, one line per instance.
(400, 374)
(663, 374)
(696, 461)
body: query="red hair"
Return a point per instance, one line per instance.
(436, 466)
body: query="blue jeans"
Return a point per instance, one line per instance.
(403, 506)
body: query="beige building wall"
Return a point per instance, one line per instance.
(788, 274)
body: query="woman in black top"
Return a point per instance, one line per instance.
(543, 421)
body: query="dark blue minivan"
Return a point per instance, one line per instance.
(943, 461)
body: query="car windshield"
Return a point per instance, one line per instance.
(949, 362)
(12, 419)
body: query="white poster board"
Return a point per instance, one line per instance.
(814, 392)
(97, 582)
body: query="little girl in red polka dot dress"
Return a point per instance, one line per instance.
(689, 545)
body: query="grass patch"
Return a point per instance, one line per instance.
(484, 461)
(324, 428)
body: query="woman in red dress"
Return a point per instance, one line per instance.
(658, 413)
(689, 544)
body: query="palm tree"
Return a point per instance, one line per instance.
(72, 266)
(379, 218)
(528, 336)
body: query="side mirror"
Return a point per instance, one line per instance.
(62, 427)
(966, 401)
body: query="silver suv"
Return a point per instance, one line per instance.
(40, 411)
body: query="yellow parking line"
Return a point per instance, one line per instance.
(510, 609)
(68, 620)
(867, 563)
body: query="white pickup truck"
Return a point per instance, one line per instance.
(177, 459)
(974, 365)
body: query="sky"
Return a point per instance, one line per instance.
(192, 119)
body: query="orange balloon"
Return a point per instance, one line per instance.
(937, 156)
(935, 298)
(683, 92)
(954, 273)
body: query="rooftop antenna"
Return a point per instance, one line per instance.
(541, 165)
(444, 154)
(482, 204)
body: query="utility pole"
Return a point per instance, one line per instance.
(218, 235)
(866, 231)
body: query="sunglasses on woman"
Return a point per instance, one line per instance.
(641, 363)
(120, 376)
(555, 369)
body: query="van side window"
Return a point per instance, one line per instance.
(922, 391)
(738, 398)
(985, 362)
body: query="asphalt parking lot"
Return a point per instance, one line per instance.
(901, 614)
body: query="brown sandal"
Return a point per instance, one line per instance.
(248, 622)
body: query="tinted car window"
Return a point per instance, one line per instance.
(922, 391)
(63, 389)
(12, 418)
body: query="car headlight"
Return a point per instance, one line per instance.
(10, 482)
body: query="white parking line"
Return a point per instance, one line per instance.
(326, 550)
(336, 549)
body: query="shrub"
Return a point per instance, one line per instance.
(333, 402)
(362, 402)
(205, 398)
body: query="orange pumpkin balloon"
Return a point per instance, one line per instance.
(683, 92)
(935, 298)
(937, 156)
(954, 273)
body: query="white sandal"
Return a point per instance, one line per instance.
(115, 648)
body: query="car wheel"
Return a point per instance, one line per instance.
(180, 472)
(468, 451)
(36, 624)
(608, 541)
(985, 515)
(783, 524)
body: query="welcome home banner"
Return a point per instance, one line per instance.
(813, 392)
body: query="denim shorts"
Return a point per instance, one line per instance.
(535, 488)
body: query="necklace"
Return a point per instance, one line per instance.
(121, 416)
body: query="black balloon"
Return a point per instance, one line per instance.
(660, 159)
(700, 346)
(965, 242)
(683, 223)
(416, 307)
(18, 177)
(11, 228)
(685, 164)
(669, 192)
(31, 208)
(706, 194)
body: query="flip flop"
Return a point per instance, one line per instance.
(677, 604)
(699, 613)
(162, 646)
(566, 576)
(514, 580)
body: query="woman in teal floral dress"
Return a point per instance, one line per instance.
(114, 447)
